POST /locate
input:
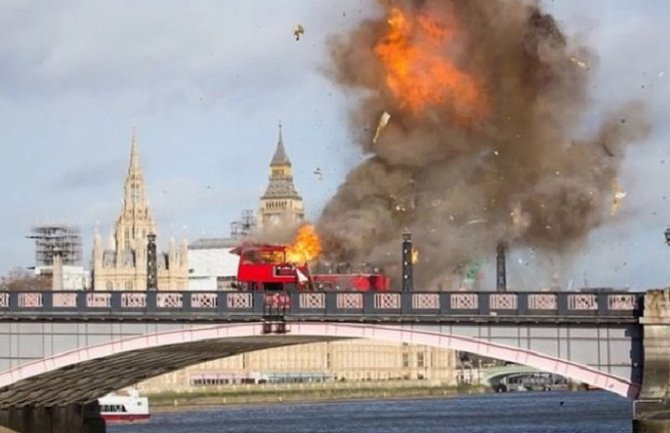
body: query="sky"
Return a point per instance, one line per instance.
(205, 84)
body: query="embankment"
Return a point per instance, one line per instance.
(303, 392)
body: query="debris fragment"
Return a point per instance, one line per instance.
(616, 198)
(520, 219)
(317, 172)
(383, 121)
(606, 149)
(476, 221)
(298, 31)
(582, 64)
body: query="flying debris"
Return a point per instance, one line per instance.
(317, 172)
(606, 149)
(579, 62)
(298, 31)
(616, 198)
(383, 121)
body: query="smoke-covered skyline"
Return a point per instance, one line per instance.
(205, 88)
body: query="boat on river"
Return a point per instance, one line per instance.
(124, 407)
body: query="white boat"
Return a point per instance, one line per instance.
(124, 407)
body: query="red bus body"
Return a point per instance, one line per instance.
(264, 267)
(357, 282)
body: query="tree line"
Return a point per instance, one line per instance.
(18, 279)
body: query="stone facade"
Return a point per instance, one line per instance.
(280, 205)
(123, 266)
(651, 410)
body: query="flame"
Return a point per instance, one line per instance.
(305, 247)
(418, 72)
(415, 256)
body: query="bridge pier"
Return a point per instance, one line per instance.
(651, 412)
(76, 418)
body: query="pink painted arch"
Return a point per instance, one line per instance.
(315, 330)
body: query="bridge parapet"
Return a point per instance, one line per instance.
(652, 409)
(656, 307)
(231, 305)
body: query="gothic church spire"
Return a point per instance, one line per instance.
(134, 222)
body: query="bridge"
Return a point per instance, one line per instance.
(492, 376)
(60, 351)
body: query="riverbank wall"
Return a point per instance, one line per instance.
(304, 392)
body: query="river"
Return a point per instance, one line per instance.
(552, 412)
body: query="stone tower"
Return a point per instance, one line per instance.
(280, 204)
(124, 265)
(134, 223)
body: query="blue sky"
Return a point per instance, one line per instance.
(206, 82)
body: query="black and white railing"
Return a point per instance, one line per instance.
(227, 305)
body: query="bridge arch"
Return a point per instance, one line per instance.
(87, 373)
(494, 373)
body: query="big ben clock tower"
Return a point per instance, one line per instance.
(281, 205)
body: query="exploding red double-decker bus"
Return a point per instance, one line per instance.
(266, 267)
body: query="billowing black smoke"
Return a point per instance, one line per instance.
(463, 183)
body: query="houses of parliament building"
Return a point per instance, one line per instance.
(123, 266)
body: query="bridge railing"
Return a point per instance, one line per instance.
(323, 305)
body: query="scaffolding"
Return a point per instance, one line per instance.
(243, 226)
(58, 239)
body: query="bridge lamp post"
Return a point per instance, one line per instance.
(501, 273)
(152, 263)
(407, 272)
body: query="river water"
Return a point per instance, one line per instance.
(552, 412)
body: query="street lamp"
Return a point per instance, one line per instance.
(667, 236)
(152, 265)
(407, 253)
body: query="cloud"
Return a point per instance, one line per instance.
(182, 202)
(154, 46)
(102, 173)
(205, 81)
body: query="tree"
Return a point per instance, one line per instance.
(18, 279)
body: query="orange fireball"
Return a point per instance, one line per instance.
(419, 73)
(305, 247)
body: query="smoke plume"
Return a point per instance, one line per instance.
(485, 98)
